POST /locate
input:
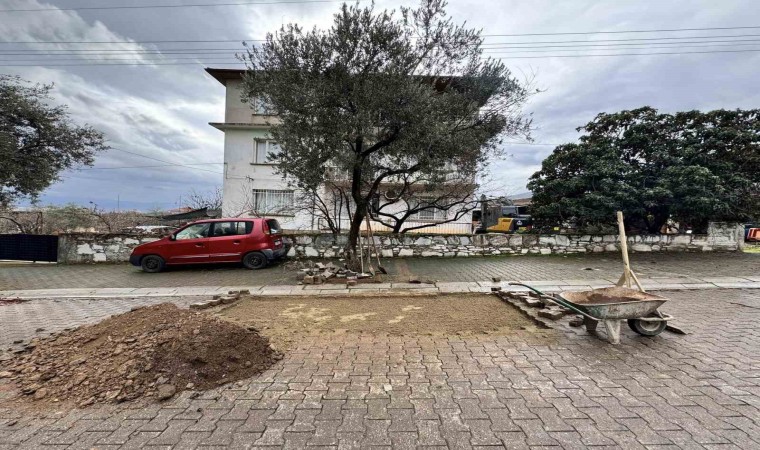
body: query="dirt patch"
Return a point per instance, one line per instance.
(286, 319)
(151, 352)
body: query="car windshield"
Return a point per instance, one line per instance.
(195, 231)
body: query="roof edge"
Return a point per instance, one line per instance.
(223, 75)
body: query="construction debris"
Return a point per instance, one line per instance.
(320, 273)
(11, 301)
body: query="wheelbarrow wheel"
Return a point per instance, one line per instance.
(647, 327)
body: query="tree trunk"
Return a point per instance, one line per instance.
(352, 256)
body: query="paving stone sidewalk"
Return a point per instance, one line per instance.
(657, 267)
(550, 389)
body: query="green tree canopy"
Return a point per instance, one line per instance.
(691, 166)
(37, 140)
(381, 95)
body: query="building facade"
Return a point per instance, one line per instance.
(252, 187)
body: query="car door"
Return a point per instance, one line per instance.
(228, 239)
(190, 245)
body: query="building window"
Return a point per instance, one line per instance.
(272, 201)
(261, 108)
(429, 214)
(265, 151)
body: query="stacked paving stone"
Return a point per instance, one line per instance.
(231, 297)
(534, 306)
(319, 273)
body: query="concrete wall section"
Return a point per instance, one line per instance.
(75, 248)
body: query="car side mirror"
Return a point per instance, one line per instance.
(172, 237)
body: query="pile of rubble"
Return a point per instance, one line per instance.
(319, 273)
(150, 352)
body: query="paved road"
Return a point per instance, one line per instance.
(42, 317)
(678, 266)
(553, 389)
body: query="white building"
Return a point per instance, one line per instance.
(251, 185)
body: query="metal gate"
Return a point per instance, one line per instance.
(29, 247)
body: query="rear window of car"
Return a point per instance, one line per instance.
(274, 226)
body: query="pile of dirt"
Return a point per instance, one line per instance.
(603, 296)
(151, 352)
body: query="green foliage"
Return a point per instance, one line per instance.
(691, 166)
(37, 141)
(380, 95)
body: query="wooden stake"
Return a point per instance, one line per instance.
(628, 274)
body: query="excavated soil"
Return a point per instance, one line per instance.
(607, 295)
(152, 352)
(286, 320)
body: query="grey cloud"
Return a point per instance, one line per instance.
(163, 111)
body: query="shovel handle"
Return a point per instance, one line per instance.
(531, 288)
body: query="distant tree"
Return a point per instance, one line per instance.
(380, 95)
(329, 204)
(418, 202)
(37, 140)
(692, 167)
(211, 199)
(69, 217)
(24, 222)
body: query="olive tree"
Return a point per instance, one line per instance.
(382, 94)
(38, 140)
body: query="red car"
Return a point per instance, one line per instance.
(252, 242)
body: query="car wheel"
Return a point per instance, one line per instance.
(152, 264)
(255, 260)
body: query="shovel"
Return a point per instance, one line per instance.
(380, 267)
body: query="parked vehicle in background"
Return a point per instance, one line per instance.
(254, 242)
(503, 219)
(752, 232)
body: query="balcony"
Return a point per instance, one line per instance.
(336, 175)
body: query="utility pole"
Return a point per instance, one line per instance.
(118, 202)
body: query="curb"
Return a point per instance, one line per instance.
(389, 288)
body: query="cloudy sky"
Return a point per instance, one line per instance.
(137, 73)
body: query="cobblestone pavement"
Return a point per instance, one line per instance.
(38, 318)
(549, 389)
(680, 266)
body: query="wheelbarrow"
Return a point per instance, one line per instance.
(611, 306)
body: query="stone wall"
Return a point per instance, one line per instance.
(89, 248)
(76, 248)
(720, 237)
